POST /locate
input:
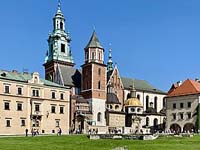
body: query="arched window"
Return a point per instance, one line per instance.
(164, 102)
(93, 55)
(147, 121)
(155, 103)
(116, 107)
(147, 102)
(138, 96)
(99, 71)
(99, 116)
(61, 25)
(155, 123)
(99, 85)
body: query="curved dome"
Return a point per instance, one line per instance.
(133, 102)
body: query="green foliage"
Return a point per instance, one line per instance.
(80, 142)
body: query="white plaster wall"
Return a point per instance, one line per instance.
(98, 105)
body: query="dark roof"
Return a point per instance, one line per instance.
(70, 76)
(141, 85)
(112, 99)
(23, 77)
(94, 42)
(79, 99)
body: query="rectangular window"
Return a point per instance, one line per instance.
(174, 116)
(7, 89)
(181, 105)
(189, 104)
(63, 48)
(19, 91)
(7, 106)
(37, 107)
(57, 123)
(174, 105)
(8, 123)
(19, 106)
(53, 95)
(35, 93)
(23, 122)
(53, 109)
(181, 116)
(61, 96)
(61, 110)
(189, 115)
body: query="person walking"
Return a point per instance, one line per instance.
(26, 131)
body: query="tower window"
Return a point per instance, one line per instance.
(93, 55)
(99, 116)
(99, 85)
(99, 71)
(61, 25)
(51, 48)
(63, 48)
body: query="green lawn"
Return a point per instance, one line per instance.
(81, 142)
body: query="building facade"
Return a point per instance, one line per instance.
(182, 107)
(29, 102)
(98, 92)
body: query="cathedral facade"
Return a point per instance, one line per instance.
(101, 100)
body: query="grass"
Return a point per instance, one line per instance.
(81, 142)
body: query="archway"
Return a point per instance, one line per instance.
(188, 127)
(175, 128)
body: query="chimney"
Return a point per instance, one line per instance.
(179, 83)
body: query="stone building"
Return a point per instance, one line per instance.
(98, 92)
(182, 106)
(30, 102)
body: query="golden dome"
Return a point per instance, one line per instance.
(133, 102)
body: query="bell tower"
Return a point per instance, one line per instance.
(59, 52)
(94, 78)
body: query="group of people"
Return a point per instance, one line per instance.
(35, 132)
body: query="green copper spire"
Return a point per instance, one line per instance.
(94, 42)
(59, 40)
(110, 62)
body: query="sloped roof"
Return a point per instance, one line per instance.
(70, 75)
(141, 85)
(94, 42)
(23, 77)
(112, 99)
(188, 87)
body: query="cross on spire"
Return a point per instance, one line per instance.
(59, 5)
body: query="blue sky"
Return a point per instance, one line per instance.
(154, 40)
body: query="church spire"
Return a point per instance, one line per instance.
(59, 40)
(59, 7)
(110, 62)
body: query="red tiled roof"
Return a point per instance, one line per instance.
(187, 88)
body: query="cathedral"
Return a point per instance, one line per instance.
(101, 100)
